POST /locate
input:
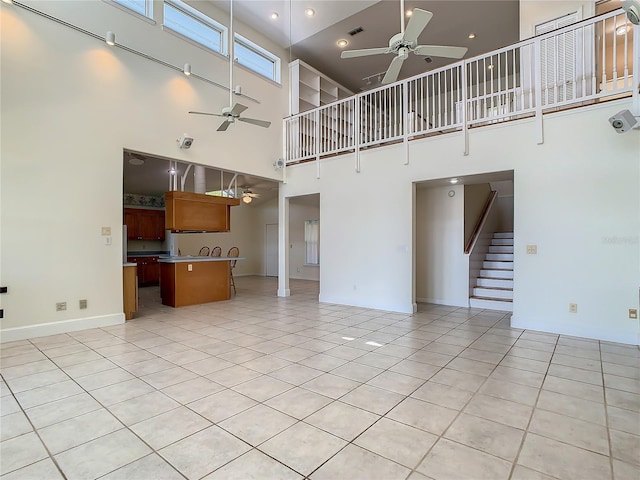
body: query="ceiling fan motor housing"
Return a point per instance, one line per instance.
(398, 41)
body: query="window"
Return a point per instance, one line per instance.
(194, 25)
(312, 242)
(256, 58)
(142, 7)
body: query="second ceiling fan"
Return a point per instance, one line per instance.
(407, 41)
(233, 111)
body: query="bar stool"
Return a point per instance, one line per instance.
(234, 252)
(204, 252)
(216, 251)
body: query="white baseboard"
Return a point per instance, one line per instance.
(54, 328)
(442, 301)
(596, 333)
(396, 308)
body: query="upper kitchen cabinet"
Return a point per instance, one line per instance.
(144, 224)
(196, 212)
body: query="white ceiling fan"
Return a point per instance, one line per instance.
(233, 112)
(248, 195)
(407, 41)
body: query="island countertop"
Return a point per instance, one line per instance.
(196, 258)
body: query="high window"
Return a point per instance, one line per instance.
(256, 58)
(194, 25)
(141, 7)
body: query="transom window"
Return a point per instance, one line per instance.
(194, 25)
(142, 7)
(256, 58)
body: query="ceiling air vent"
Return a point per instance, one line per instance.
(356, 31)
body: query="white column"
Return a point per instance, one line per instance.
(283, 245)
(199, 179)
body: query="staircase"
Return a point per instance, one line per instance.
(494, 286)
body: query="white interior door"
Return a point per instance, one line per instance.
(271, 243)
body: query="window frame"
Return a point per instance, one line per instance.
(122, 5)
(260, 52)
(201, 18)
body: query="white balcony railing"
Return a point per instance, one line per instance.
(572, 66)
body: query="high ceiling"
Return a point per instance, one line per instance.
(495, 24)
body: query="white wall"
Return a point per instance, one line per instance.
(442, 268)
(535, 12)
(577, 198)
(475, 198)
(69, 107)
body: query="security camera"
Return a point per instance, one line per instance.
(632, 7)
(185, 141)
(623, 121)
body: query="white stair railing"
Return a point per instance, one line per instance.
(571, 66)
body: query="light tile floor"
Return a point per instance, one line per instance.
(265, 387)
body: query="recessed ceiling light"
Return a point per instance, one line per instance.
(408, 13)
(454, 181)
(342, 43)
(274, 15)
(472, 35)
(490, 66)
(172, 171)
(309, 12)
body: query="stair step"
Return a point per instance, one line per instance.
(495, 293)
(498, 265)
(494, 282)
(502, 241)
(496, 273)
(501, 257)
(503, 235)
(491, 304)
(501, 249)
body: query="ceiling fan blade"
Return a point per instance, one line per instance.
(394, 70)
(253, 121)
(417, 22)
(237, 109)
(364, 52)
(440, 51)
(205, 113)
(223, 126)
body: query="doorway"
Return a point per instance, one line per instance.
(271, 247)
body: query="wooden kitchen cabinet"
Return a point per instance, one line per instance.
(196, 212)
(148, 269)
(144, 224)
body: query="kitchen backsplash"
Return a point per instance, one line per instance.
(135, 200)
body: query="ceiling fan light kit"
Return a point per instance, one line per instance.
(405, 42)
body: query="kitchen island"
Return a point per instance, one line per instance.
(192, 280)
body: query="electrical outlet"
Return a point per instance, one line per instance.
(633, 313)
(573, 308)
(189, 268)
(83, 304)
(532, 249)
(60, 306)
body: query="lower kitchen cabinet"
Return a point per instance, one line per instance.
(148, 270)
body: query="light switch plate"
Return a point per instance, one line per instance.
(633, 314)
(532, 249)
(106, 231)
